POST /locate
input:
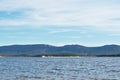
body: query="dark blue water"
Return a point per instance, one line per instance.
(85, 68)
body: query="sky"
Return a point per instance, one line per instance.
(60, 22)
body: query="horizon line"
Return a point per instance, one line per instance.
(58, 45)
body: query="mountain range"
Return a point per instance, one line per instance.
(38, 50)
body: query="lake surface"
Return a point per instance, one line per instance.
(84, 68)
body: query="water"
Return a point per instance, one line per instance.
(85, 68)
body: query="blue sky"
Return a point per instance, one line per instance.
(60, 22)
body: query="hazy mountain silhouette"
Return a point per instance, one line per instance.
(67, 50)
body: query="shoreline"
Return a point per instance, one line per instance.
(58, 56)
(1, 56)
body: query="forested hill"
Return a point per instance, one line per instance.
(67, 50)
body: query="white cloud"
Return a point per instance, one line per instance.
(12, 22)
(95, 14)
(63, 31)
(114, 35)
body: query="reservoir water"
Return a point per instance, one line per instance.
(84, 68)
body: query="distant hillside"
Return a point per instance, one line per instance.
(67, 50)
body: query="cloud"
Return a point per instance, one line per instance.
(12, 23)
(99, 15)
(63, 31)
(114, 35)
